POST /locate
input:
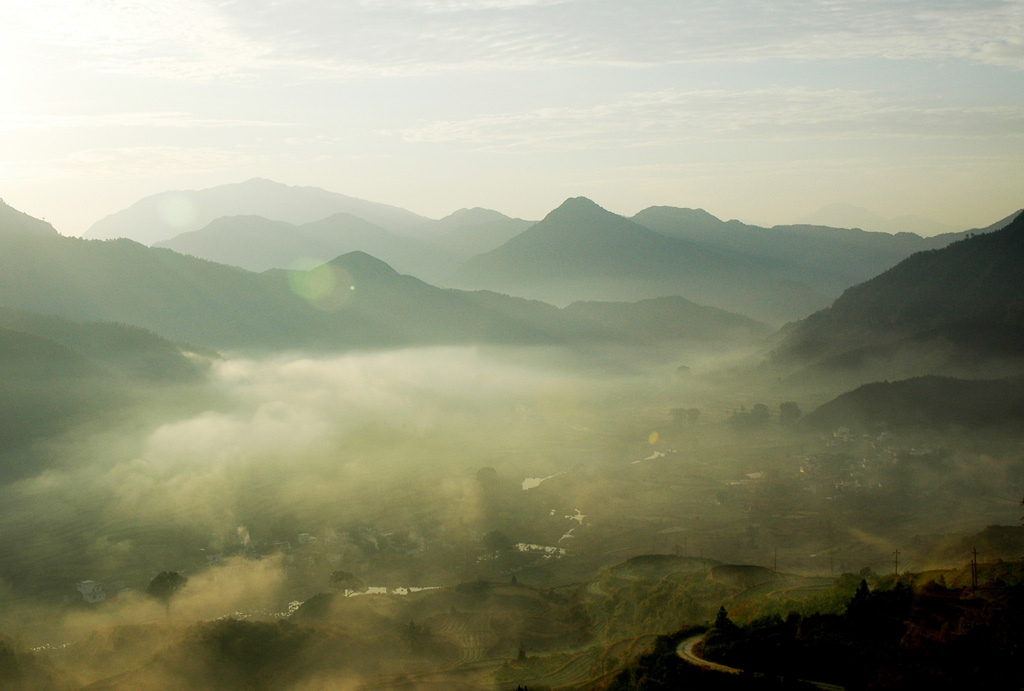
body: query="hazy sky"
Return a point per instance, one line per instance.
(762, 110)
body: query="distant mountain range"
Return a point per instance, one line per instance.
(352, 301)
(257, 244)
(965, 301)
(162, 216)
(579, 252)
(469, 232)
(840, 215)
(828, 259)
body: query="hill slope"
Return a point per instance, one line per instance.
(967, 297)
(56, 373)
(583, 252)
(924, 402)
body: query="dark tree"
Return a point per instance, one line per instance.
(346, 580)
(722, 620)
(164, 586)
(789, 413)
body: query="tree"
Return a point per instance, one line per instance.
(789, 413)
(346, 580)
(164, 586)
(722, 620)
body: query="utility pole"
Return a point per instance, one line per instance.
(896, 561)
(775, 561)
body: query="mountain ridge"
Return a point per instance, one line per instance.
(353, 301)
(164, 215)
(967, 297)
(581, 251)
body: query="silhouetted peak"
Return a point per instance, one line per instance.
(577, 209)
(365, 266)
(678, 215)
(476, 215)
(579, 204)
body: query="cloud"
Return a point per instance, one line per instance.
(314, 39)
(308, 437)
(138, 119)
(235, 587)
(663, 117)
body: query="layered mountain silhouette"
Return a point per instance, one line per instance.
(257, 244)
(469, 232)
(580, 251)
(841, 215)
(966, 299)
(828, 259)
(666, 318)
(354, 300)
(163, 216)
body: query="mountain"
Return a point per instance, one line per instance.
(924, 402)
(667, 318)
(580, 252)
(126, 351)
(828, 259)
(840, 215)
(966, 299)
(353, 301)
(14, 223)
(178, 297)
(469, 232)
(257, 244)
(57, 373)
(165, 215)
(408, 310)
(998, 225)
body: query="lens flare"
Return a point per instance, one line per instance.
(177, 211)
(326, 287)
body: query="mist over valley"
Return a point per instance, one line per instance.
(272, 459)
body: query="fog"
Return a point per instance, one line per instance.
(277, 486)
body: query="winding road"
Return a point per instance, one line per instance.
(685, 650)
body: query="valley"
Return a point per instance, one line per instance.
(365, 480)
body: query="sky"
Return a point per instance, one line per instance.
(761, 110)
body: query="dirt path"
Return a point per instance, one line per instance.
(685, 650)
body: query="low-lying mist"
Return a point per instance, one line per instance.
(270, 449)
(280, 485)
